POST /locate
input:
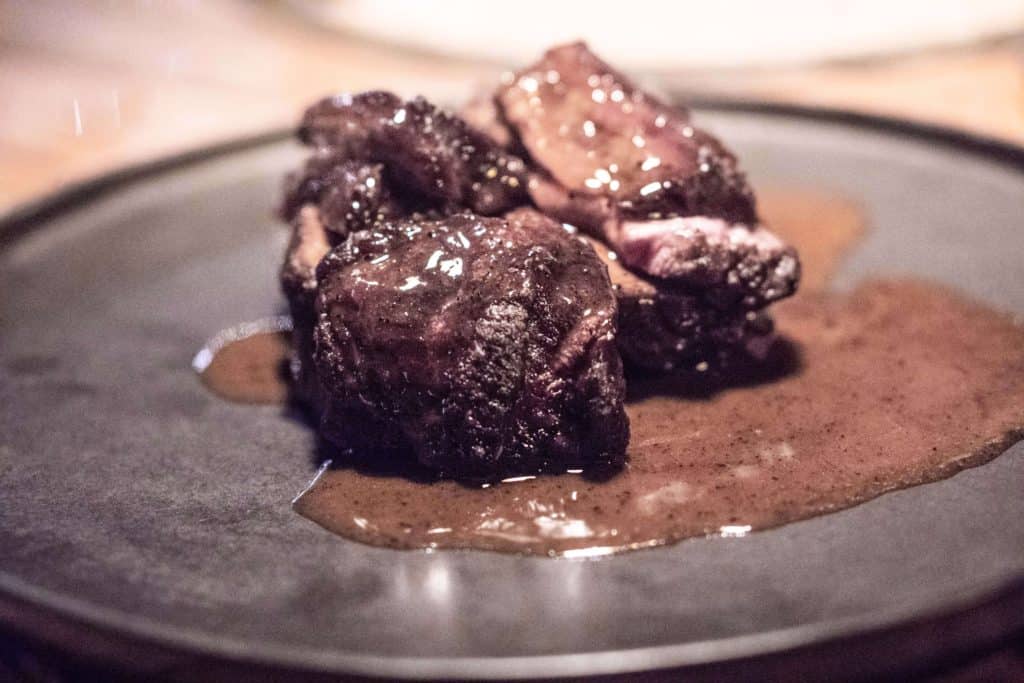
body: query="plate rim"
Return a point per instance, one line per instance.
(979, 619)
(23, 607)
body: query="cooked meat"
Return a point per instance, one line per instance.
(491, 346)
(596, 133)
(661, 328)
(351, 195)
(726, 264)
(636, 173)
(428, 152)
(309, 244)
(730, 264)
(371, 166)
(479, 345)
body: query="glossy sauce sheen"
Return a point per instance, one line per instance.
(857, 398)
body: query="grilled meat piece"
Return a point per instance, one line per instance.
(663, 329)
(596, 133)
(478, 345)
(668, 197)
(428, 152)
(350, 195)
(726, 264)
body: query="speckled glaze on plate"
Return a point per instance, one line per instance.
(149, 523)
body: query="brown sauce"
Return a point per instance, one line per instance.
(247, 363)
(858, 397)
(882, 400)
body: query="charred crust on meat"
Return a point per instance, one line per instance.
(477, 345)
(428, 151)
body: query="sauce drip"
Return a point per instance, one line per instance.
(248, 363)
(858, 397)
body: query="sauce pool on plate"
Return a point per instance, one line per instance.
(895, 384)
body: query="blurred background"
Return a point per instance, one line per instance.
(89, 86)
(92, 85)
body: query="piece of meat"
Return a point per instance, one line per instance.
(428, 151)
(351, 195)
(344, 187)
(663, 329)
(596, 133)
(308, 245)
(730, 264)
(726, 264)
(480, 346)
(636, 173)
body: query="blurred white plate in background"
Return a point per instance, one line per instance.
(650, 35)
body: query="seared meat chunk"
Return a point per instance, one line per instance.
(726, 264)
(479, 345)
(668, 197)
(596, 133)
(730, 264)
(428, 151)
(664, 328)
(351, 195)
(432, 163)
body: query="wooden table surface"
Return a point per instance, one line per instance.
(90, 86)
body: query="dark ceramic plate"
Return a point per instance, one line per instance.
(144, 519)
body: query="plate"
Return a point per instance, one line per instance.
(778, 34)
(148, 523)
